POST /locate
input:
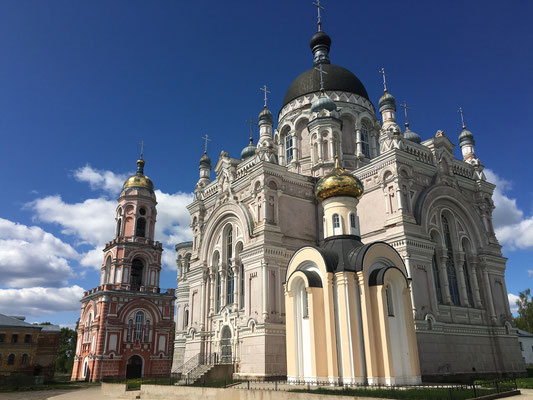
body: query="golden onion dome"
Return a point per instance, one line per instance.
(338, 182)
(139, 180)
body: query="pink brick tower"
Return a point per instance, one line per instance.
(126, 323)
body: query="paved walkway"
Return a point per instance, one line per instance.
(94, 393)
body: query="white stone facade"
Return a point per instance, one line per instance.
(433, 209)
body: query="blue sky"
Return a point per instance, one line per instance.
(82, 83)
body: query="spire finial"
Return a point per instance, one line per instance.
(252, 123)
(142, 149)
(264, 89)
(405, 108)
(322, 72)
(460, 111)
(206, 138)
(382, 72)
(319, 17)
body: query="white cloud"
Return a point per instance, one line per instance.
(38, 301)
(92, 221)
(512, 302)
(29, 256)
(512, 228)
(99, 179)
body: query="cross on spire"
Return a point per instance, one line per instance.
(382, 72)
(321, 71)
(206, 138)
(319, 17)
(405, 108)
(460, 111)
(264, 89)
(252, 123)
(142, 148)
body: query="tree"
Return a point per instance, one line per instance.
(66, 350)
(524, 320)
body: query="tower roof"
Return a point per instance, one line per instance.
(337, 78)
(139, 180)
(338, 182)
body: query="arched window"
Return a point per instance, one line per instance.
(119, 227)
(352, 221)
(305, 303)
(289, 150)
(466, 271)
(24, 359)
(365, 146)
(186, 322)
(141, 227)
(436, 278)
(130, 328)
(11, 359)
(107, 269)
(147, 331)
(138, 325)
(229, 243)
(136, 277)
(450, 263)
(88, 328)
(230, 284)
(242, 286)
(336, 221)
(390, 305)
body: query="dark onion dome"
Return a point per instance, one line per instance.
(410, 135)
(337, 79)
(248, 151)
(320, 38)
(387, 102)
(139, 180)
(205, 161)
(466, 137)
(338, 182)
(323, 103)
(266, 116)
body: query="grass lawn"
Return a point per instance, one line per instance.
(524, 383)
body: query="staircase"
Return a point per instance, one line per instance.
(195, 368)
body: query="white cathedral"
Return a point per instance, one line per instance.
(342, 248)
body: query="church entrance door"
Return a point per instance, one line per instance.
(134, 368)
(225, 345)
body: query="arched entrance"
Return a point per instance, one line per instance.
(134, 367)
(225, 346)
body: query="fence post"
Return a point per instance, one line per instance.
(248, 384)
(474, 387)
(451, 392)
(276, 385)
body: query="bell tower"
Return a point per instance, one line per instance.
(125, 328)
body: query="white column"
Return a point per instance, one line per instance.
(445, 286)
(202, 300)
(460, 259)
(212, 278)
(473, 280)
(235, 284)
(488, 291)
(264, 273)
(320, 155)
(358, 143)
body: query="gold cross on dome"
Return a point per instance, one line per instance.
(206, 138)
(405, 108)
(142, 148)
(322, 72)
(319, 17)
(264, 89)
(382, 72)
(460, 111)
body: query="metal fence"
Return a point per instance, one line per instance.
(426, 391)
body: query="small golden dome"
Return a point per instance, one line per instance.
(338, 182)
(139, 180)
